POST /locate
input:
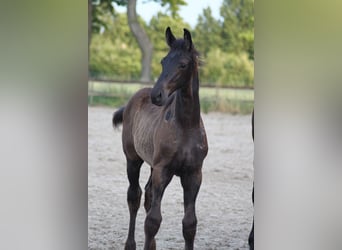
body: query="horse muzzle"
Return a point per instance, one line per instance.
(157, 98)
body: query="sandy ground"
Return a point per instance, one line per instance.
(224, 206)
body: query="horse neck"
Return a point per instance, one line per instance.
(187, 110)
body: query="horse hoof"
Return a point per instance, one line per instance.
(130, 246)
(251, 246)
(153, 245)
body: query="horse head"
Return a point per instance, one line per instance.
(177, 67)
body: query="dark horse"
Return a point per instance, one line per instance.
(251, 234)
(163, 127)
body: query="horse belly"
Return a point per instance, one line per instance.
(143, 142)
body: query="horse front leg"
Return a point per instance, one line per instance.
(191, 183)
(147, 203)
(161, 177)
(133, 199)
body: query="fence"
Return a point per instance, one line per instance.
(213, 98)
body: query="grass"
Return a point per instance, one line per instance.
(236, 101)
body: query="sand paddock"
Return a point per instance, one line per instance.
(224, 206)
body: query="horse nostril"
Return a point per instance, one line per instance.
(156, 99)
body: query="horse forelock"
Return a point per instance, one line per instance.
(180, 45)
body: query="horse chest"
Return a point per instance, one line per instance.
(192, 151)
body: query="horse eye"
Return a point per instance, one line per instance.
(182, 66)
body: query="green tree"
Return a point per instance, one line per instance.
(207, 32)
(238, 26)
(228, 69)
(136, 28)
(96, 10)
(115, 52)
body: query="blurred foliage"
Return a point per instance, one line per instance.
(208, 30)
(224, 67)
(225, 44)
(173, 6)
(112, 55)
(101, 8)
(238, 26)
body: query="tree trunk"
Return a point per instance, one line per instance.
(142, 39)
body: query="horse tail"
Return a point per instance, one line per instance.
(118, 117)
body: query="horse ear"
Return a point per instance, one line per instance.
(170, 38)
(187, 39)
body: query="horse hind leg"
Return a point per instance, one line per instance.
(191, 184)
(133, 199)
(148, 193)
